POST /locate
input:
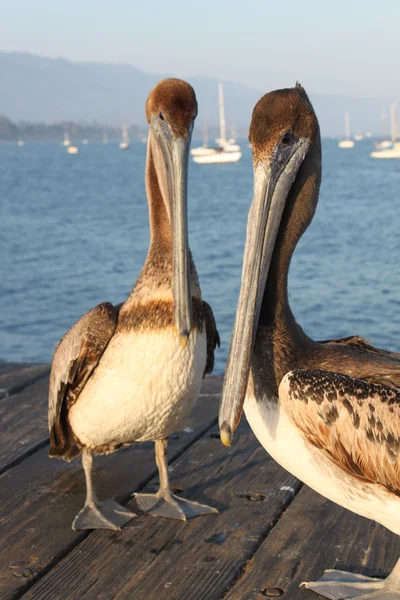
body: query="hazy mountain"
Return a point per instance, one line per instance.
(33, 88)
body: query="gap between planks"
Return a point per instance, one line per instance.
(15, 378)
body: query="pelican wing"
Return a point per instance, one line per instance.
(356, 424)
(378, 365)
(75, 358)
(212, 335)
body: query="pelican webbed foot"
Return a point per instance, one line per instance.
(164, 503)
(172, 506)
(98, 514)
(340, 585)
(106, 514)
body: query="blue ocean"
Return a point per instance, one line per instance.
(74, 233)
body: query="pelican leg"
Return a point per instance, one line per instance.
(339, 585)
(98, 514)
(164, 503)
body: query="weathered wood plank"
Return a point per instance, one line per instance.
(40, 497)
(14, 378)
(23, 423)
(7, 367)
(315, 535)
(164, 559)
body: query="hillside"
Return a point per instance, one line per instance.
(46, 90)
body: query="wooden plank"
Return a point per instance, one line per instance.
(23, 423)
(315, 535)
(40, 497)
(7, 367)
(14, 378)
(164, 559)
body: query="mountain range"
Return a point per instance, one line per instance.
(38, 89)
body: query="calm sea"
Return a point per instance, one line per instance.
(74, 232)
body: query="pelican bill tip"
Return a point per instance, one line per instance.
(225, 433)
(183, 339)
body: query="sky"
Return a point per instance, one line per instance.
(346, 47)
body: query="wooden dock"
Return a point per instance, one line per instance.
(272, 533)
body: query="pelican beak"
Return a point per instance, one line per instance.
(171, 154)
(272, 183)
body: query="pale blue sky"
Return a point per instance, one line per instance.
(341, 46)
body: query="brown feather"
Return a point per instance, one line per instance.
(354, 423)
(75, 359)
(213, 339)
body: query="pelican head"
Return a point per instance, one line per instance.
(285, 139)
(171, 109)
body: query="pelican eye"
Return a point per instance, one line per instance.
(161, 116)
(287, 138)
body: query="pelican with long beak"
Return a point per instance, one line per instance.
(133, 372)
(328, 412)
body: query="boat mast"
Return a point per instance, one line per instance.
(347, 126)
(393, 121)
(221, 114)
(125, 137)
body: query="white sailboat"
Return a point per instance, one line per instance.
(347, 142)
(105, 138)
(124, 144)
(226, 151)
(20, 142)
(72, 149)
(392, 150)
(384, 143)
(66, 140)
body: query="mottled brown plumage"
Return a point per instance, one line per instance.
(354, 423)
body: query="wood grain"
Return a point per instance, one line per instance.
(315, 535)
(23, 423)
(40, 497)
(14, 378)
(200, 559)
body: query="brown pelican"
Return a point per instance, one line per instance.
(133, 372)
(328, 412)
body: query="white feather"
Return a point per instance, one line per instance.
(143, 389)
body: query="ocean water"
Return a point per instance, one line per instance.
(74, 233)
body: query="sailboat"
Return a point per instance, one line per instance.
(105, 138)
(384, 143)
(66, 140)
(226, 151)
(124, 144)
(347, 142)
(72, 149)
(393, 151)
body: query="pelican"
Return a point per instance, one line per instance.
(133, 372)
(328, 412)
